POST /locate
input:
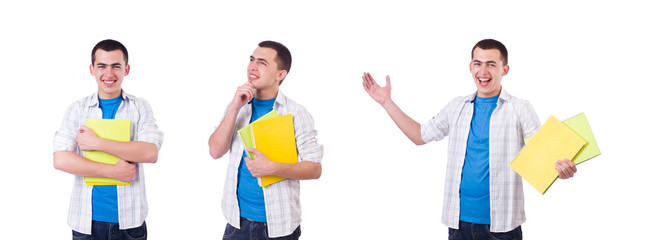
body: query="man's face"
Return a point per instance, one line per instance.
(109, 69)
(487, 70)
(263, 71)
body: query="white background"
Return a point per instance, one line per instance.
(187, 60)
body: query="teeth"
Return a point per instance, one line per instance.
(109, 82)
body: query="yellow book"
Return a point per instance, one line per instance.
(246, 136)
(113, 129)
(580, 125)
(274, 138)
(536, 161)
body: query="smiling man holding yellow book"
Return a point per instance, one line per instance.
(108, 211)
(272, 212)
(483, 196)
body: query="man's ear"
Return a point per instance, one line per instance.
(505, 69)
(281, 75)
(91, 69)
(127, 69)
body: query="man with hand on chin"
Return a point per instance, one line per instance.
(109, 211)
(483, 196)
(272, 212)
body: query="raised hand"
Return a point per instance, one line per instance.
(243, 95)
(378, 93)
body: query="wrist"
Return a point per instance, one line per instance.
(387, 104)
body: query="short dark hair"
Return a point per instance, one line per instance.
(110, 45)
(487, 44)
(283, 56)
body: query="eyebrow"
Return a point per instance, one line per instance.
(484, 62)
(258, 59)
(112, 64)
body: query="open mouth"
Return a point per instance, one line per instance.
(484, 81)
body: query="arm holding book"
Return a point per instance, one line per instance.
(262, 166)
(382, 95)
(74, 164)
(135, 151)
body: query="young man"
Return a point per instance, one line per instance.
(272, 212)
(108, 212)
(483, 195)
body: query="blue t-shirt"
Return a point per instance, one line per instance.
(474, 187)
(250, 194)
(105, 198)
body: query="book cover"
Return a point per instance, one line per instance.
(113, 129)
(274, 137)
(536, 161)
(580, 125)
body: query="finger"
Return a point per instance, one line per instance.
(365, 79)
(569, 166)
(562, 174)
(387, 84)
(572, 165)
(252, 150)
(83, 128)
(371, 79)
(563, 169)
(365, 84)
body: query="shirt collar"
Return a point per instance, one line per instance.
(503, 96)
(280, 99)
(94, 100)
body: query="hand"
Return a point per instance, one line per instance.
(261, 166)
(566, 168)
(87, 139)
(380, 94)
(243, 95)
(124, 171)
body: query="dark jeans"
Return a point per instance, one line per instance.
(472, 231)
(251, 230)
(111, 231)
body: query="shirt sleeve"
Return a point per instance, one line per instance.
(147, 129)
(529, 119)
(65, 138)
(308, 148)
(437, 127)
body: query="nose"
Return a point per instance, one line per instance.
(483, 68)
(252, 66)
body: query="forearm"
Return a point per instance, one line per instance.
(220, 141)
(77, 165)
(136, 152)
(409, 127)
(298, 171)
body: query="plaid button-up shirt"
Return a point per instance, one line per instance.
(282, 204)
(132, 201)
(512, 120)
